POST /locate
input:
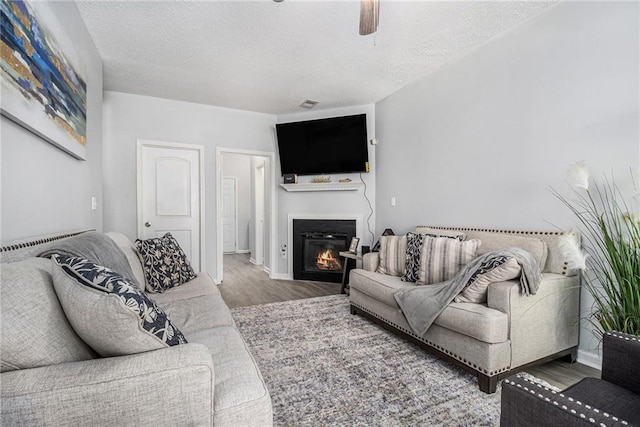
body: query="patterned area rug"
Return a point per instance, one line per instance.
(324, 366)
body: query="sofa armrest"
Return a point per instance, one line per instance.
(542, 324)
(370, 261)
(528, 404)
(620, 356)
(171, 386)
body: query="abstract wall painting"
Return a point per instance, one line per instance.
(43, 81)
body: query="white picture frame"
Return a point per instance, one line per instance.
(353, 247)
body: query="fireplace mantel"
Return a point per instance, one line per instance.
(323, 186)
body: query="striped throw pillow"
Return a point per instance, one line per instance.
(443, 257)
(414, 249)
(392, 255)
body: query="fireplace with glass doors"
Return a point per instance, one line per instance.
(316, 247)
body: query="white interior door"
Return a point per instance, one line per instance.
(229, 215)
(169, 195)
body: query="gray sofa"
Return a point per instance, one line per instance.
(493, 340)
(50, 377)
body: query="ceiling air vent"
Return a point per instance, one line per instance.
(308, 103)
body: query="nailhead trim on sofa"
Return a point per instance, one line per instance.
(41, 241)
(436, 346)
(559, 401)
(489, 230)
(622, 337)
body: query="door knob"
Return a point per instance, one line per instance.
(147, 224)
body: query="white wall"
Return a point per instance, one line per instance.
(44, 190)
(479, 142)
(129, 117)
(239, 167)
(328, 202)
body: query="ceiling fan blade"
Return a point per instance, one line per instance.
(369, 12)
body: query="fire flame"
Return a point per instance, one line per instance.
(327, 261)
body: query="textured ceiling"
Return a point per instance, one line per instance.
(268, 57)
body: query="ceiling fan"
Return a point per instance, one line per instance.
(369, 13)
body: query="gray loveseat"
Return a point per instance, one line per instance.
(497, 338)
(51, 377)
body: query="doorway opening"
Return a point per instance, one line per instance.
(255, 207)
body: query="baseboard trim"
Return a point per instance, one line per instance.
(281, 276)
(589, 359)
(267, 269)
(243, 251)
(252, 261)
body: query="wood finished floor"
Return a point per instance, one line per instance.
(248, 284)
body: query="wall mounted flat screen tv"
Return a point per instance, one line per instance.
(325, 146)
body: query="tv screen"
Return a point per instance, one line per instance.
(325, 146)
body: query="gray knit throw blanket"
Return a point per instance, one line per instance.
(422, 304)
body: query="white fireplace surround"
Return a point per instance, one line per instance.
(291, 217)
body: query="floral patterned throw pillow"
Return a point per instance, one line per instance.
(185, 271)
(164, 262)
(110, 313)
(412, 262)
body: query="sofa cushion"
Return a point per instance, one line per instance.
(393, 250)
(376, 285)
(199, 313)
(203, 284)
(164, 262)
(496, 269)
(476, 321)
(95, 247)
(241, 396)
(109, 312)
(130, 251)
(195, 305)
(34, 330)
(473, 320)
(493, 241)
(441, 258)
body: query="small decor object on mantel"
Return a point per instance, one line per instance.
(321, 179)
(353, 248)
(290, 178)
(610, 263)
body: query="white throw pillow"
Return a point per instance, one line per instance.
(442, 257)
(392, 255)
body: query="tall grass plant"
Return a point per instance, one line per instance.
(610, 232)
